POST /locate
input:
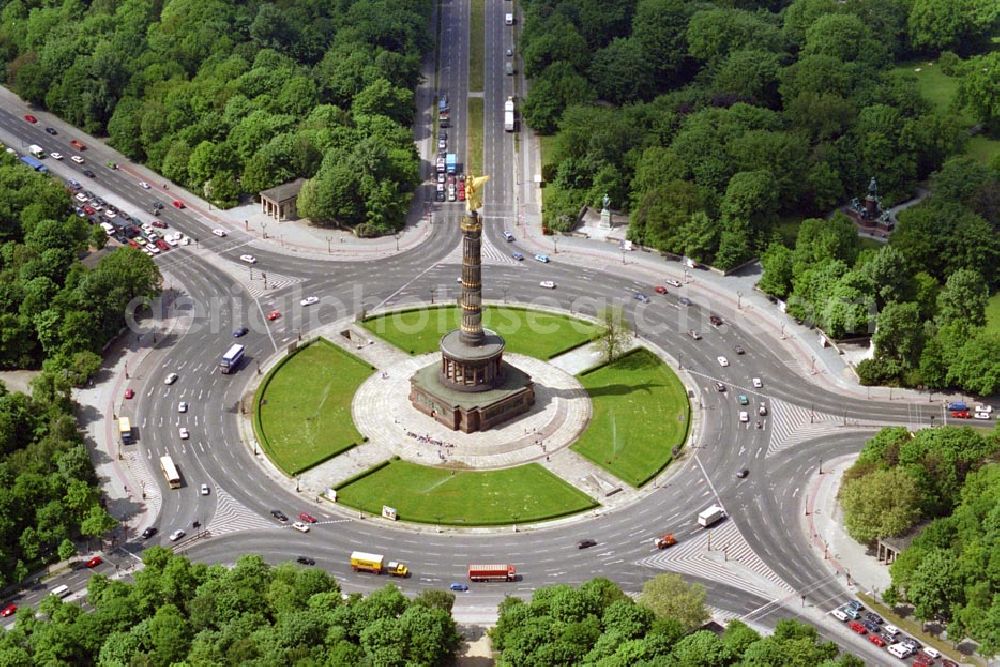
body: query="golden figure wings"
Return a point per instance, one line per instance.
(473, 192)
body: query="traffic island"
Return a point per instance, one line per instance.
(426, 494)
(302, 409)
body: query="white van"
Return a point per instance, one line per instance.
(60, 591)
(508, 18)
(900, 651)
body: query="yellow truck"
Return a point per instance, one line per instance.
(375, 563)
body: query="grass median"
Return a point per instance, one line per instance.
(302, 412)
(474, 136)
(477, 45)
(529, 332)
(641, 413)
(426, 494)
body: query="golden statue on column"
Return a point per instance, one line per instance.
(474, 192)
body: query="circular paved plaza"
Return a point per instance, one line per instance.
(382, 412)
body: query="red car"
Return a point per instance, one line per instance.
(461, 192)
(177, 203)
(273, 315)
(162, 245)
(660, 289)
(8, 610)
(89, 210)
(129, 393)
(961, 414)
(159, 224)
(78, 145)
(31, 119)
(923, 661)
(308, 518)
(857, 627)
(877, 640)
(94, 562)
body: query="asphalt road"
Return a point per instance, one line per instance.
(204, 284)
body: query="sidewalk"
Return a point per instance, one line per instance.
(822, 521)
(127, 483)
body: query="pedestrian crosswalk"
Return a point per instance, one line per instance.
(232, 516)
(793, 425)
(148, 490)
(275, 283)
(721, 554)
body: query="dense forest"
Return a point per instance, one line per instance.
(718, 127)
(597, 624)
(253, 614)
(228, 98)
(49, 497)
(55, 312)
(950, 478)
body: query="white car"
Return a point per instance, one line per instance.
(249, 259)
(182, 407)
(110, 214)
(309, 300)
(890, 630)
(144, 185)
(983, 415)
(763, 410)
(219, 232)
(931, 651)
(176, 535)
(172, 241)
(744, 416)
(170, 379)
(183, 433)
(547, 284)
(697, 336)
(839, 614)
(671, 281)
(56, 156)
(82, 198)
(301, 527)
(204, 489)
(77, 159)
(722, 361)
(757, 383)
(152, 248)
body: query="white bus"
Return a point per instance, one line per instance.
(231, 359)
(170, 472)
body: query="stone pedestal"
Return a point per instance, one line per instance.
(605, 219)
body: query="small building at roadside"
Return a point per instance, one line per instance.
(280, 202)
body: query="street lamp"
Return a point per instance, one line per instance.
(555, 246)
(739, 300)
(397, 242)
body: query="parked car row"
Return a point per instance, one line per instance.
(886, 636)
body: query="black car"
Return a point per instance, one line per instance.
(871, 626)
(242, 331)
(742, 473)
(586, 544)
(279, 515)
(684, 301)
(738, 349)
(157, 205)
(149, 532)
(51, 130)
(305, 560)
(720, 386)
(88, 173)
(874, 618)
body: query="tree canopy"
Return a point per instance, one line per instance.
(229, 97)
(252, 613)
